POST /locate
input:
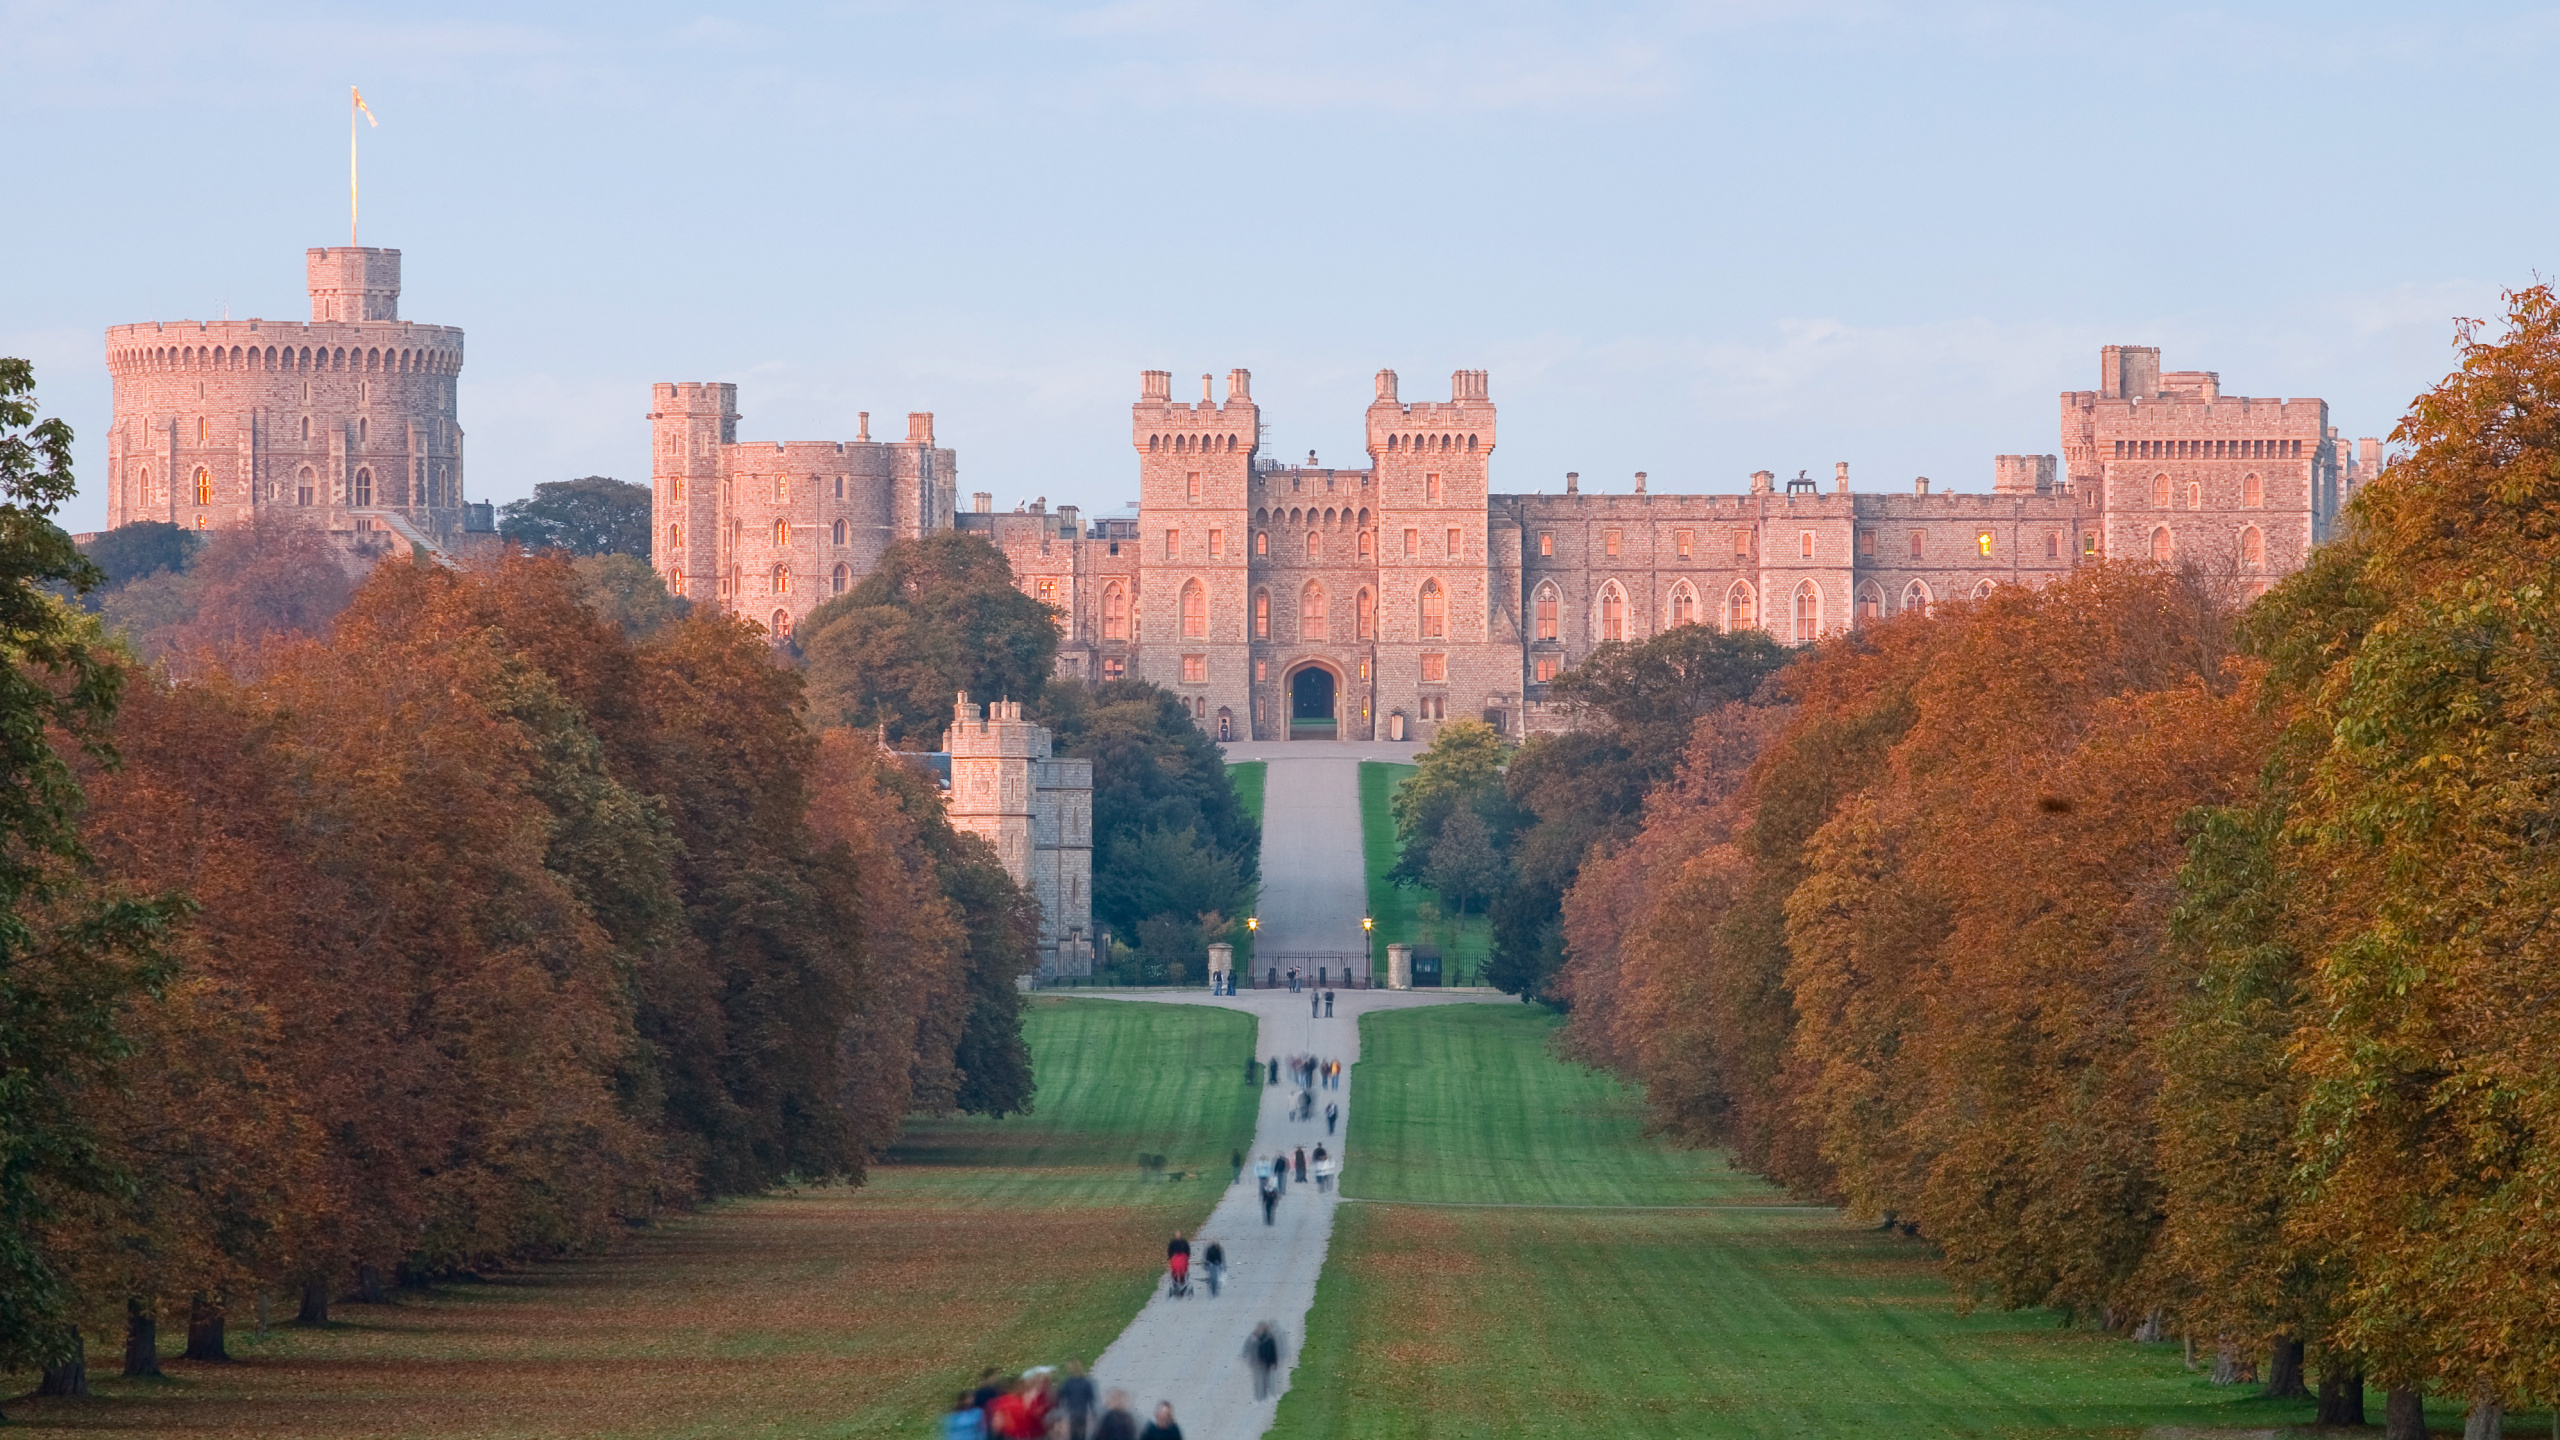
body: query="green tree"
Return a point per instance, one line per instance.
(145, 547)
(70, 963)
(1462, 762)
(939, 617)
(1465, 868)
(592, 515)
(629, 593)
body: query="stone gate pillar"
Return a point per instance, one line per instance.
(1399, 967)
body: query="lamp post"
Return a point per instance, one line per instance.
(1367, 925)
(1252, 927)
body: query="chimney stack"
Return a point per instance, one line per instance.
(1639, 482)
(1840, 476)
(1573, 482)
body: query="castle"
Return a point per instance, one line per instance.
(347, 420)
(1376, 602)
(1037, 811)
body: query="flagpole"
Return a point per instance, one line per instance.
(351, 165)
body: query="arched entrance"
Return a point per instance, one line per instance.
(1311, 703)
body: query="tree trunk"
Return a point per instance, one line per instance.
(2227, 1369)
(369, 1286)
(204, 1331)
(2150, 1331)
(141, 1339)
(2404, 1414)
(2488, 1417)
(70, 1376)
(2341, 1397)
(2284, 1371)
(315, 1302)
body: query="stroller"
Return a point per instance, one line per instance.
(1178, 1275)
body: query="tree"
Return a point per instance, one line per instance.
(71, 962)
(1465, 868)
(593, 515)
(1462, 763)
(939, 617)
(142, 548)
(627, 592)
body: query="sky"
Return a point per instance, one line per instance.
(1692, 239)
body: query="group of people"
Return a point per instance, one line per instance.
(1177, 1266)
(1042, 1404)
(1272, 1174)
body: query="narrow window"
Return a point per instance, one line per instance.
(1412, 544)
(781, 534)
(1434, 611)
(780, 582)
(2160, 493)
(1365, 544)
(1431, 486)
(1261, 542)
(1546, 612)
(838, 532)
(1172, 544)
(1680, 543)
(1919, 543)
(843, 579)
(1217, 544)
(1367, 621)
(1115, 612)
(1546, 544)
(1457, 545)
(1609, 542)
(2163, 548)
(1613, 613)
(1195, 611)
(1191, 486)
(204, 487)
(2195, 494)
(1261, 615)
(1867, 543)
(364, 487)
(1804, 544)
(781, 489)
(1982, 542)
(1741, 543)
(1808, 613)
(2253, 547)
(1313, 617)
(2053, 545)
(1315, 546)
(2253, 492)
(675, 538)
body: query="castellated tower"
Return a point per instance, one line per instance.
(1195, 470)
(1037, 811)
(1435, 608)
(347, 420)
(771, 530)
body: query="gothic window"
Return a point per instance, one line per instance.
(1919, 543)
(1217, 544)
(2253, 492)
(1312, 616)
(675, 538)
(675, 583)
(839, 487)
(1315, 546)
(1195, 611)
(1435, 611)
(2253, 547)
(1115, 612)
(306, 427)
(1915, 599)
(1983, 590)
(1804, 544)
(781, 625)
(364, 487)
(1367, 544)
(304, 484)
(838, 532)
(1261, 614)
(779, 583)
(1261, 543)
(1546, 544)
(2163, 549)
(1546, 669)
(2053, 545)
(1808, 613)
(1870, 603)
(1609, 543)
(1613, 612)
(1741, 611)
(1547, 612)
(1172, 544)
(204, 487)
(1366, 610)
(781, 533)
(2160, 492)
(364, 432)
(2195, 495)
(1684, 605)
(1982, 542)
(842, 579)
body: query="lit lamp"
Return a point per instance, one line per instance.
(1252, 926)
(1367, 924)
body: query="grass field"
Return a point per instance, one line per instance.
(1436, 1320)
(1464, 943)
(1248, 778)
(829, 1312)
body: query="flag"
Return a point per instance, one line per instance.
(367, 109)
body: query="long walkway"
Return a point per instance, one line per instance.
(1191, 1352)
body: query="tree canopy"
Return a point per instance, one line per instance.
(591, 515)
(939, 617)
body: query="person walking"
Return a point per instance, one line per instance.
(1321, 1171)
(1262, 1351)
(1076, 1401)
(1315, 1006)
(1275, 1069)
(1237, 1160)
(1213, 1263)
(1328, 1004)
(1270, 1198)
(1332, 1113)
(1177, 1261)
(1115, 1422)
(1162, 1427)
(1301, 1175)
(966, 1420)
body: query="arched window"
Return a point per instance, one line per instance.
(1366, 609)
(204, 486)
(1435, 611)
(1315, 546)
(1115, 612)
(1613, 612)
(1870, 603)
(2163, 549)
(2253, 547)
(1261, 542)
(1915, 599)
(839, 532)
(675, 583)
(1195, 611)
(781, 533)
(364, 432)
(2253, 492)
(675, 538)
(781, 625)
(304, 485)
(1741, 610)
(1261, 614)
(364, 487)
(779, 583)
(1547, 601)
(2160, 492)
(1808, 613)
(1983, 590)
(1684, 605)
(306, 427)
(1314, 618)
(1368, 541)
(2195, 495)
(842, 579)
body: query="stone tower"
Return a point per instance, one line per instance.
(1434, 607)
(1195, 469)
(1037, 811)
(347, 420)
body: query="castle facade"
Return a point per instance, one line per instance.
(347, 420)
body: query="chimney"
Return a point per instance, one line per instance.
(1573, 482)
(982, 501)
(1386, 384)
(1467, 385)
(919, 427)
(1840, 476)
(1919, 484)
(865, 432)
(1239, 385)
(1205, 397)
(1639, 482)
(1155, 385)
(1763, 482)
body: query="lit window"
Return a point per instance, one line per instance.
(781, 625)
(1609, 542)
(1546, 612)
(1195, 611)
(1048, 590)
(1741, 610)
(1982, 542)
(1546, 544)
(1195, 669)
(781, 489)
(1435, 668)
(1113, 667)
(1546, 670)
(1613, 613)
(1435, 611)
(1115, 612)
(1804, 544)
(781, 533)
(675, 537)
(779, 583)
(1261, 615)
(204, 487)
(1684, 606)
(1261, 543)
(1680, 543)
(1808, 613)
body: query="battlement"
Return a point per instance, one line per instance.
(1160, 423)
(353, 282)
(715, 400)
(1462, 424)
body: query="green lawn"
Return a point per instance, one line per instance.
(1248, 777)
(1559, 1319)
(1400, 912)
(830, 1311)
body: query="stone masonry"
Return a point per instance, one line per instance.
(1037, 811)
(347, 420)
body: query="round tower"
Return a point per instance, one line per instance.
(347, 420)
